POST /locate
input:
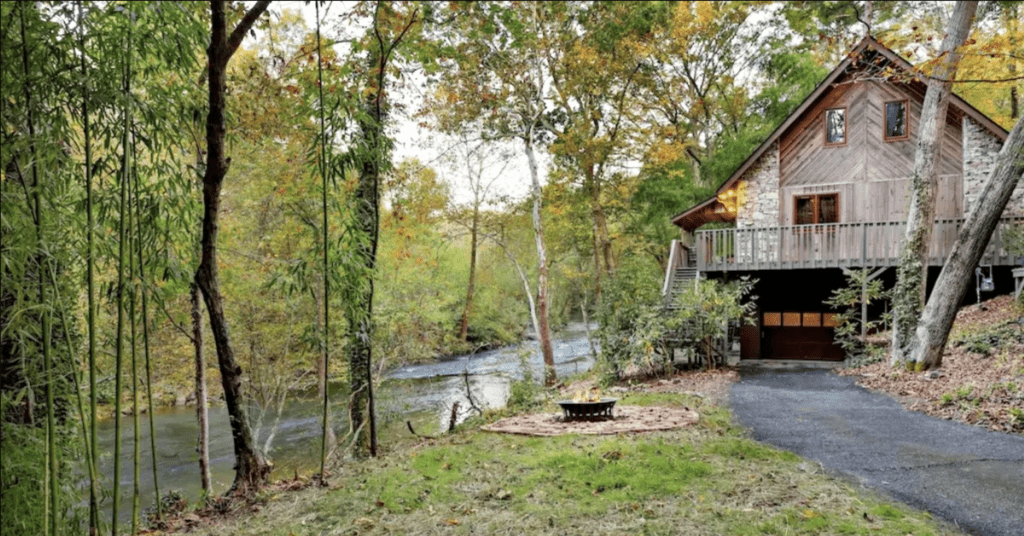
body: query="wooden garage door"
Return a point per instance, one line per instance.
(799, 335)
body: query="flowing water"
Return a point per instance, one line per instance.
(410, 390)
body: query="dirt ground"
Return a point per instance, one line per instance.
(626, 419)
(981, 381)
(710, 385)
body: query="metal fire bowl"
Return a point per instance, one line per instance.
(588, 411)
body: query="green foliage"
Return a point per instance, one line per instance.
(632, 321)
(848, 300)
(707, 478)
(23, 473)
(702, 312)
(635, 323)
(524, 393)
(988, 338)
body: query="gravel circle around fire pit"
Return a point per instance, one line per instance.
(627, 419)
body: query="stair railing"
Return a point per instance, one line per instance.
(676, 257)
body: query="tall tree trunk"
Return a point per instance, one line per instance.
(360, 358)
(544, 330)
(470, 286)
(202, 407)
(251, 469)
(912, 271)
(372, 162)
(933, 330)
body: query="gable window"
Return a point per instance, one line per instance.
(896, 120)
(811, 209)
(835, 126)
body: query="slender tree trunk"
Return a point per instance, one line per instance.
(526, 284)
(912, 271)
(145, 346)
(202, 407)
(544, 331)
(251, 469)
(133, 242)
(937, 319)
(604, 263)
(470, 286)
(1014, 23)
(90, 266)
(596, 214)
(121, 286)
(50, 510)
(329, 439)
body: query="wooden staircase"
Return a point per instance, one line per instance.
(682, 278)
(682, 273)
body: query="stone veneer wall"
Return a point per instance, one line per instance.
(980, 151)
(761, 208)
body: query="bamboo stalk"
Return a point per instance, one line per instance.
(145, 345)
(90, 444)
(50, 483)
(136, 438)
(327, 321)
(119, 353)
(65, 327)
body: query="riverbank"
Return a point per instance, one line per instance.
(707, 478)
(171, 391)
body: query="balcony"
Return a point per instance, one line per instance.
(833, 245)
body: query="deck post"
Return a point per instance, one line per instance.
(864, 244)
(753, 249)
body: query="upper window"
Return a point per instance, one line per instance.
(811, 209)
(835, 126)
(896, 120)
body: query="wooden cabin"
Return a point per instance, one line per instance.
(828, 191)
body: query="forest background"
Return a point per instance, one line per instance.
(634, 111)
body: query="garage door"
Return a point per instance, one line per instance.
(799, 335)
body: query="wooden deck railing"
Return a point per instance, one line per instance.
(676, 258)
(831, 245)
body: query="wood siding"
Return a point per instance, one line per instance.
(870, 174)
(877, 200)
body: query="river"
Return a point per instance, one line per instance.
(406, 391)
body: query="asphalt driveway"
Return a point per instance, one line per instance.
(964, 474)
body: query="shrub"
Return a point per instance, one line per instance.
(635, 323)
(703, 312)
(848, 300)
(631, 320)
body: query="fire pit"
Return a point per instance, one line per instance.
(596, 410)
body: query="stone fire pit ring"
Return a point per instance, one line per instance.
(597, 410)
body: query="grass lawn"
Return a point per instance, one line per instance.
(704, 479)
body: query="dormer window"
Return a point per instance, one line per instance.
(835, 126)
(896, 120)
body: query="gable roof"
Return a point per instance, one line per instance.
(692, 217)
